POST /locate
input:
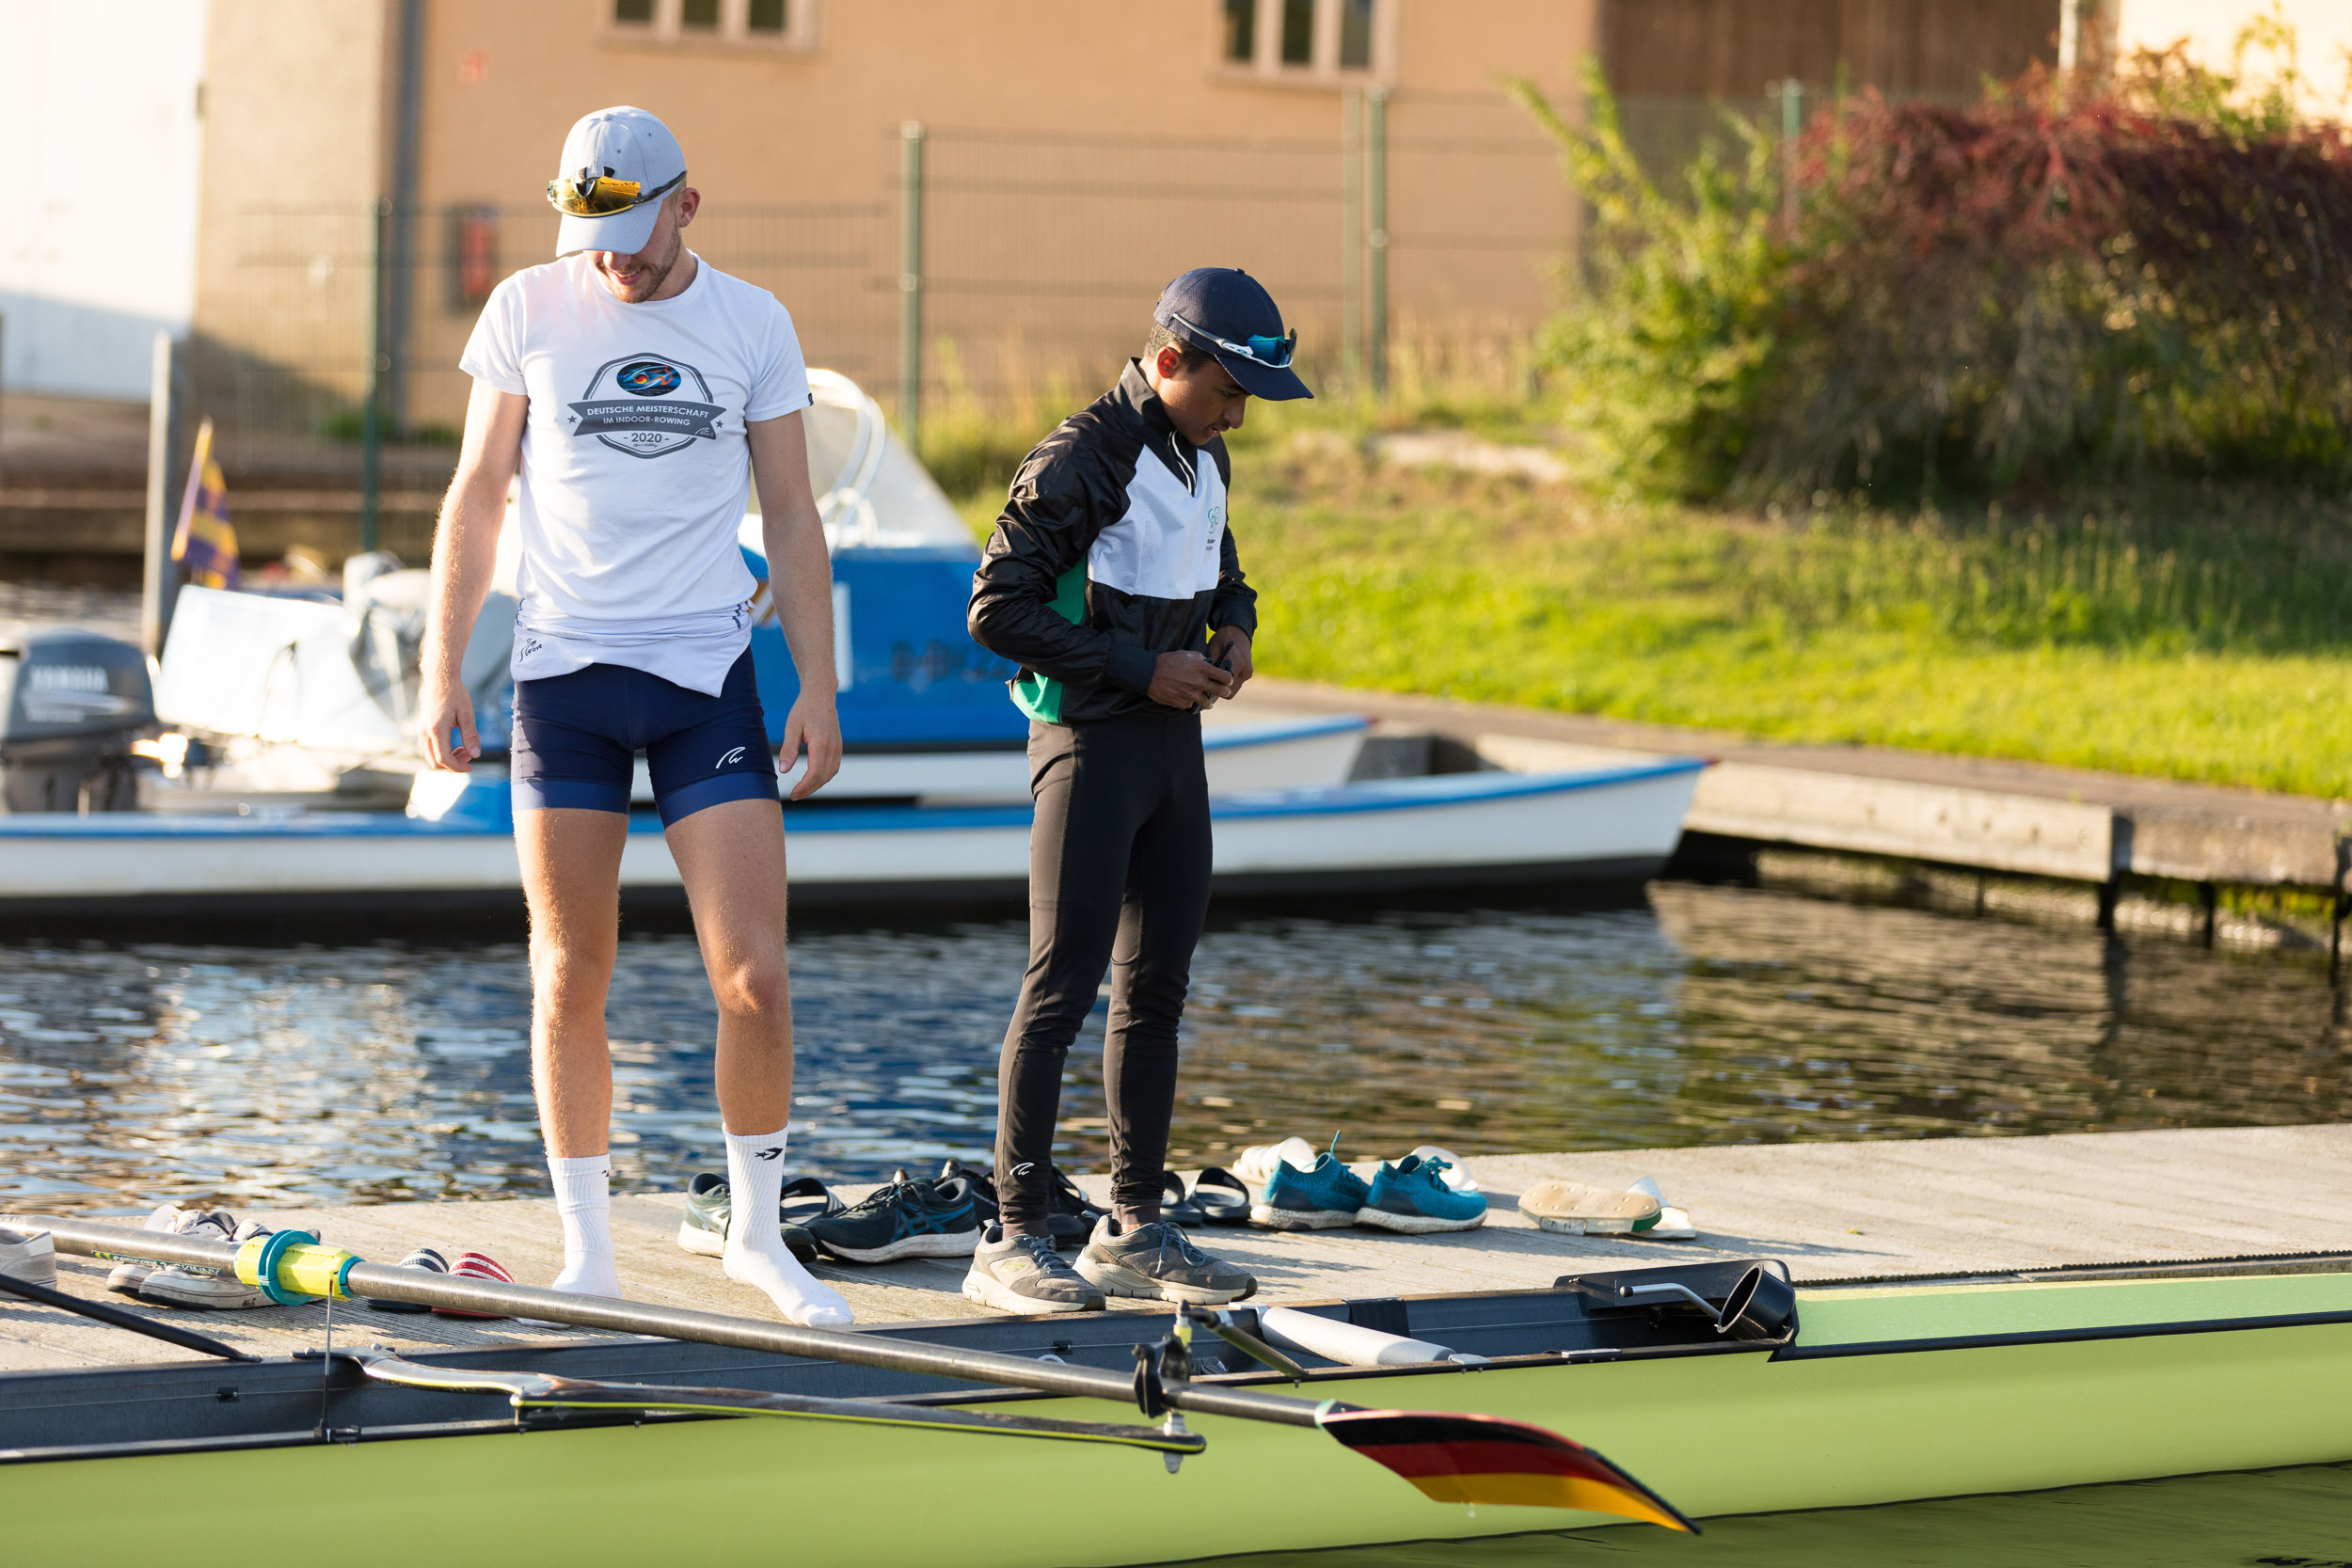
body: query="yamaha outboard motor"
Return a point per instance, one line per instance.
(71, 704)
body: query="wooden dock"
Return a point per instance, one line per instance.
(2015, 817)
(1830, 1210)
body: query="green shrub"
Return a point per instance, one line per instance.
(2045, 288)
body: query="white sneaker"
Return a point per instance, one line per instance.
(30, 1255)
(1257, 1162)
(1454, 1175)
(128, 1277)
(186, 1286)
(1674, 1225)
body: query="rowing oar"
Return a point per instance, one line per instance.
(543, 1391)
(1452, 1458)
(116, 1316)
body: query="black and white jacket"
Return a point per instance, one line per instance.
(1112, 549)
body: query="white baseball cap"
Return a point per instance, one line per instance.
(618, 166)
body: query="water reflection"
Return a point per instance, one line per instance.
(130, 1075)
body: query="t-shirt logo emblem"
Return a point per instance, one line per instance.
(653, 416)
(647, 378)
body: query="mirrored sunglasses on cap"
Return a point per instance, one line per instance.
(1273, 352)
(598, 196)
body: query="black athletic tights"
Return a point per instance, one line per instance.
(1119, 880)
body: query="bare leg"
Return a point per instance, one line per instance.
(572, 879)
(731, 856)
(571, 862)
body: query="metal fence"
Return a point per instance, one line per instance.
(989, 267)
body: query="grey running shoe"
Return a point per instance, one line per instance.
(1023, 1274)
(704, 1229)
(128, 1277)
(186, 1286)
(1159, 1262)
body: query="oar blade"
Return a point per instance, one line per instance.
(1487, 1459)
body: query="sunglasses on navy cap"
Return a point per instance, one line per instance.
(1273, 352)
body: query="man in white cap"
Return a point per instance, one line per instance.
(643, 392)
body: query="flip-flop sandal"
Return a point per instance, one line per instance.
(1222, 1197)
(805, 1198)
(1074, 1215)
(423, 1257)
(1175, 1205)
(1573, 1209)
(475, 1265)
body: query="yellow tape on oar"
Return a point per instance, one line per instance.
(291, 1267)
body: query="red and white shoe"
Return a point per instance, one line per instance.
(475, 1265)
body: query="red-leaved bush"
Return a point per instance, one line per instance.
(2037, 284)
(2051, 284)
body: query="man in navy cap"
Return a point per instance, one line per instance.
(1113, 581)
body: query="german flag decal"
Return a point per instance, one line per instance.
(1486, 1459)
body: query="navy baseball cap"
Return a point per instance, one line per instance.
(1227, 312)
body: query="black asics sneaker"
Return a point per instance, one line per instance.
(909, 1217)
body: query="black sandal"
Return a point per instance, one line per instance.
(1222, 1197)
(1175, 1205)
(805, 1198)
(1075, 1214)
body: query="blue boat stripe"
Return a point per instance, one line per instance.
(1385, 795)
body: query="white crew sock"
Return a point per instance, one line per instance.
(755, 1254)
(584, 1203)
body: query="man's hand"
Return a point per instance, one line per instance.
(1230, 648)
(812, 722)
(1186, 680)
(450, 708)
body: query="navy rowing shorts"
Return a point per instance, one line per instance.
(577, 738)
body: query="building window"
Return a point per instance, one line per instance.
(721, 24)
(1241, 31)
(1298, 32)
(1313, 43)
(1355, 35)
(474, 243)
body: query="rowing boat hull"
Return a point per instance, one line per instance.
(2096, 1390)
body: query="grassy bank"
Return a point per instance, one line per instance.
(2193, 632)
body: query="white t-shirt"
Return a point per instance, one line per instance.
(635, 471)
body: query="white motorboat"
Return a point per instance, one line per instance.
(457, 847)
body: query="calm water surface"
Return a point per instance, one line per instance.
(130, 1075)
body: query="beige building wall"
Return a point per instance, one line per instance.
(1079, 155)
(295, 147)
(2210, 28)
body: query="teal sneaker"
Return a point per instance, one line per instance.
(1411, 1197)
(1322, 1199)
